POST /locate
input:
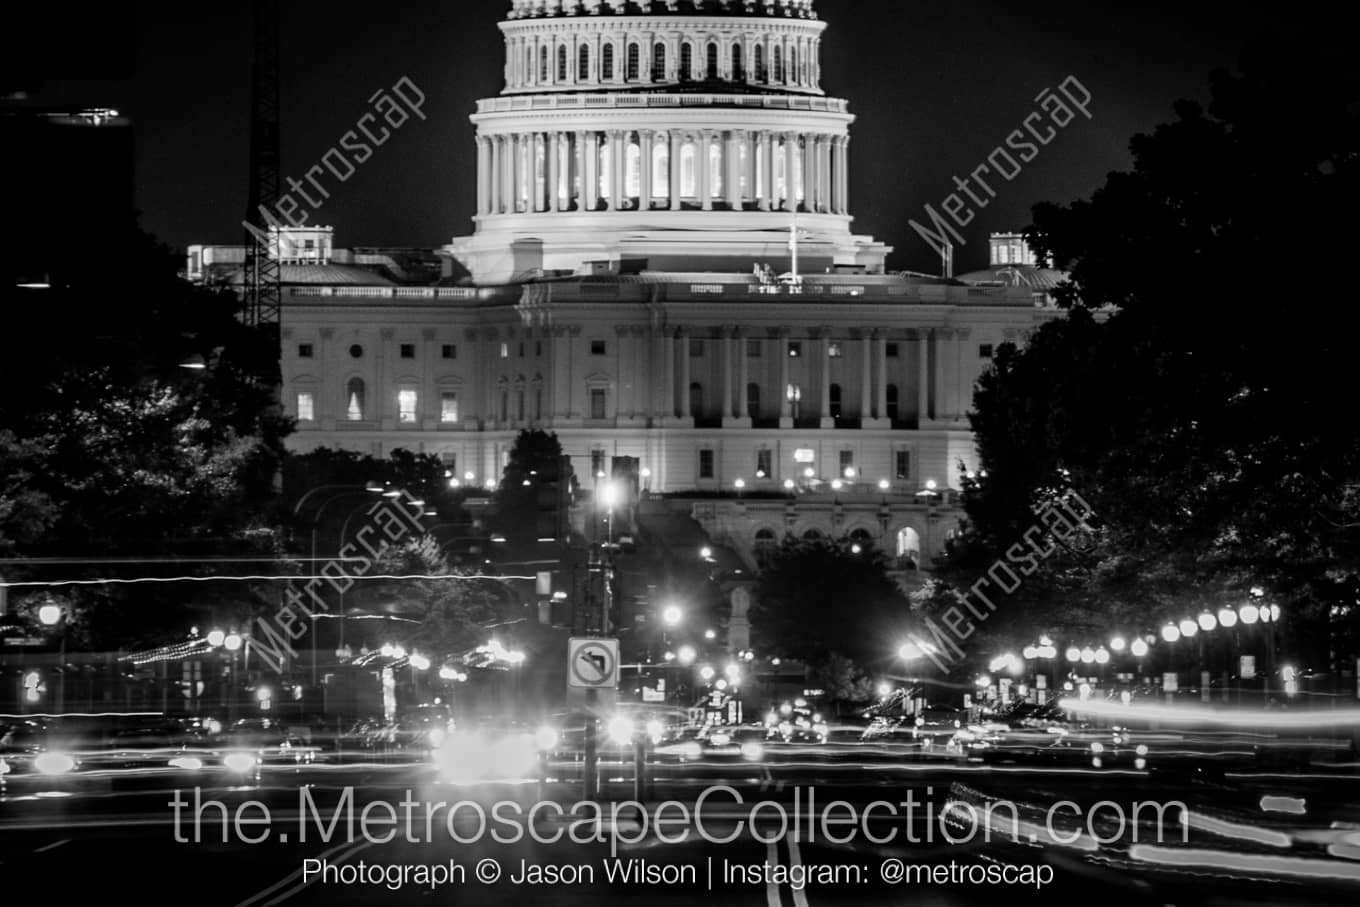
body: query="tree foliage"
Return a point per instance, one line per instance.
(1197, 393)
(816, 596)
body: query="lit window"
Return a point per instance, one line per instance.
(306, 406)
(597, 462)
(354, 400)
(406, 405)
(795, 349)
(764, 460)
(505, 351)
(448, 406)
(833, 350)
(804, 455)
(847, 463)
(597, 403)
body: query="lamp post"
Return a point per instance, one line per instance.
(49, 615)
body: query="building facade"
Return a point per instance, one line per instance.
(663, 268)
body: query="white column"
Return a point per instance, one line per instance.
(732, 170)
(682, 351)
(825, 381)
(590, 163)
(727, 412)
(743, 376)
(811, 168)
(866, 400)
(645, 149)
(790, 161)
(619, 161)
(535, 140)
(516, 170)
(881, 352)
(553, 152)
(495, 175)
(923, 375)
(673, 165)
(483, 176)
(705, 178)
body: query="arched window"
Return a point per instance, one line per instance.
(634, 61)
(738, 65)
(543, 64)
(583, 64)
(765, 545)
(813, 534)
(778, 68)
(753, 400)
(908, 548)
(696, 400)
(760, 63)
(686, 62)
(891, 396)
(689, 169)
(712, 73)
(835, 396)
(658, 62)
(354, 400)
(607, 63)
(661, 167)
(561, 64)
(861, 537)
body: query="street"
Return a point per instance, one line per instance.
(778, 832)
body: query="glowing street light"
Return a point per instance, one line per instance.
(1207, 622)
(686, 655)
(1102, 655)
(1088, 655)
(672, 615)
(1118, 644)
(1249, 614)
(884, 484)
(1189, 628)
(232, 642)
(1227, 618)
(1073, 654)
(710, 634)
(216, 638)
(706, 672)
(1171, 632)
(609, 494)
(49, 615)
(1139, 648)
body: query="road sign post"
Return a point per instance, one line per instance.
(592, 665)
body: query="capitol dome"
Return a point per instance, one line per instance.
(684, 134)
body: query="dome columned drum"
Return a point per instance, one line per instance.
(658, 130)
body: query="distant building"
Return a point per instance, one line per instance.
(662, 267)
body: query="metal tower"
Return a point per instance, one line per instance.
(262, 278)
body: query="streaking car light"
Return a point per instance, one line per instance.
(4, 767)
(720, 739)
(240, 763)
(187, 763)
(437, 736)
(546, 738)
(691, 750)
(1281, 804)
(655, 730)
(752, 751)
(1253, 720)
(1255, 863)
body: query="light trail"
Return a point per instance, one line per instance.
(255, 578)
(1310, 720)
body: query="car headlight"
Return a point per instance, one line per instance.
(54, 763)
(4, 767)
(720, 739)
(691, 750)
(546, 738)
(240, 762)
(752, 751)
(187, 763)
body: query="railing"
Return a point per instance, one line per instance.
(512, 103)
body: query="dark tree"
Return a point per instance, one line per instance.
(816, 597)
(1198, 392)
(535, 491)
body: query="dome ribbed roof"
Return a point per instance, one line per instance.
(537, 9)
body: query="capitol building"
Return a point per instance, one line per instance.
(662, 266)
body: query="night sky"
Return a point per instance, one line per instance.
(935, 88)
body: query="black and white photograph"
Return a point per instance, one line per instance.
(786, 453)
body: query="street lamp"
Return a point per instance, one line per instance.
(49, 615)
(672, 615)
(686, 655)
(1171, 632)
